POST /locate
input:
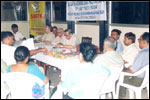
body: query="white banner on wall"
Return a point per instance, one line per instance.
(86, 10)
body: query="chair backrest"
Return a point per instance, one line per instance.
(110, 82)
(91, 86)
(24, 85)
(86, 40)
(4, 66)
(146, 77)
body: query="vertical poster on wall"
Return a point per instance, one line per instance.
(37, 17)
(86, 10)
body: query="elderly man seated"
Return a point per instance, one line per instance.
(60, 38)
(48, 37)
(110, 58)
(70, 41)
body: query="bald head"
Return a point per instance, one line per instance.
(111, 39)
(109, 43)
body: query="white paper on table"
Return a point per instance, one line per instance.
(29, 43)
(35, 38)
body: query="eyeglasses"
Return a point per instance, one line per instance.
(139, 39)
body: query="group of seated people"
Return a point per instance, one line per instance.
(63, 39)
(112, 56)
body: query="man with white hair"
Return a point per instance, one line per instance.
(110, 56)
(60, 38)
(48, 37)
(70, 41)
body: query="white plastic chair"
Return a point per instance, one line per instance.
(21, 85)
(90, 85)
(109, 84)
(5, 91)
(131, 88)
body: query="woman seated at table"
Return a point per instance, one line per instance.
(84, 70)
(21, 56)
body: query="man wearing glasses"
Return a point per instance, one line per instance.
(141, 60)
(60, 37)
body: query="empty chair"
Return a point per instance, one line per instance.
(131, 88)
(86, 40)
(26, 86)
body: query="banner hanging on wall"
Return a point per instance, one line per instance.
(37, 17)
(86, 10)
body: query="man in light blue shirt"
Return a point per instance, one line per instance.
(119, 48)
(141, 60)
(115, 33)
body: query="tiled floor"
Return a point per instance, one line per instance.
(55, 79)
(54, 76)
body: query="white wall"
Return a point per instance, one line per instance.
(138, 31)
(60, 25)
(22, 26)
(88, 30)
(92, 30)
(84, 30)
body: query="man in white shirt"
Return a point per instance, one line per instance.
(69, 42)
(60, 37)
(130, 52)
(17, 35)
(140, 61)
(7, 48)
(115, 33)
(48, 37)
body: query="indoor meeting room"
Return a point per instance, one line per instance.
(75, 49)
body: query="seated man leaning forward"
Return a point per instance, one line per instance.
(110, 58)
(60, 38)
(48, 37)
(22, 55)
(84, 71)
(7, 48)
(69, 42)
